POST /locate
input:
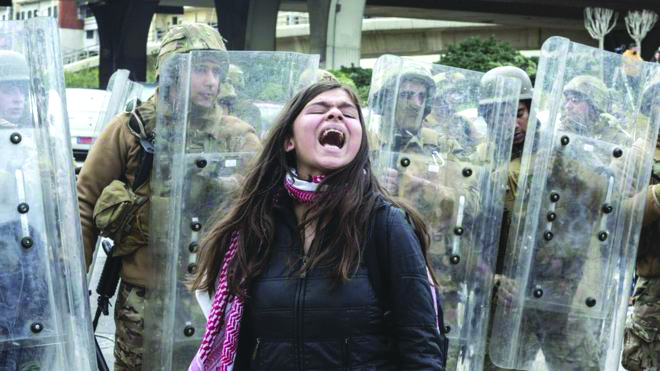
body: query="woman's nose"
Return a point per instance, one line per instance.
(335, 112)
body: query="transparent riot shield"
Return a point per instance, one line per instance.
(576, 224)
(203, 148)
(121, 90)
(441, 138)
(44, 313)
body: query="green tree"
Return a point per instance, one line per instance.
(360, 77)
(482, 55)
(88, 78)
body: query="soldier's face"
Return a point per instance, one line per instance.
(521, 123)
(204, 83)
(326, 134)
(12, 101)
(410, 104)
(576, 110)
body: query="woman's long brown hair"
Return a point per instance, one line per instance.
(340, 217)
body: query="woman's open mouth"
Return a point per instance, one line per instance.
(332, 137)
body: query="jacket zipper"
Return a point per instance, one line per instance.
(256, 349)
(299, 313)
(347, 349)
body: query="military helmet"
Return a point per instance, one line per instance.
(414, 72)
(325, 75)
(13, 66)
(651, 94)
(451, 88)
(592, 88)
(419, 73)
(186, 37)
(235, 76)
(526, 89)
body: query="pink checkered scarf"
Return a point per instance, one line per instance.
(220, 341)
(302, 190)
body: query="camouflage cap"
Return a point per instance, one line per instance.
(186, 37)
(13, 66)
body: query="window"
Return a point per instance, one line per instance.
(88, 12)
(55, 11)
(89, 34)
(29, 14)
(175, 21)
(36, 12)
(49, 11)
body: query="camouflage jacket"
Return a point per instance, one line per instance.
(645, 319)
(648, 253)
(115, 155)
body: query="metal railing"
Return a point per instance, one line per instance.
(80, 54)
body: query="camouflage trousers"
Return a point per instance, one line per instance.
(640, 352)
(641, 337)
(567, 341)
(129, 322)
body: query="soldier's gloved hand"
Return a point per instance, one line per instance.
(506, 289)
(228, 184)
(390, 181)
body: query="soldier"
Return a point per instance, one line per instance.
(585, 109)
(192, 182)
(457, 195)
(44, 311)
(413, 147)
(116, 155)
(504, 286)
(13, 89)
(233, 101)
(641, 338)
(445, 115)
(20, 273)
(571, 231)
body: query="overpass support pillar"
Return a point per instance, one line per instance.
(248, 24)
(123, 27)
(336, 31)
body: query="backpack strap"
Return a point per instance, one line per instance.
(378, 258)
(146, 155)
(378, 262)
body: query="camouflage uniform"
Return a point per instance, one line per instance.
(641, 350)
(20, 272)
(642, 334)
(115, 155)
(557, 267)
(429, 167)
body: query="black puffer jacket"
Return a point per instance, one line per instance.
(300, 322)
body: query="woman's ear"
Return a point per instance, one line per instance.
(288, 145)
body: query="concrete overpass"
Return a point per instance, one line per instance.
(336, 26)
(406, 36)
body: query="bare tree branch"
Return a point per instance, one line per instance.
(598, 22)
(639, 24)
